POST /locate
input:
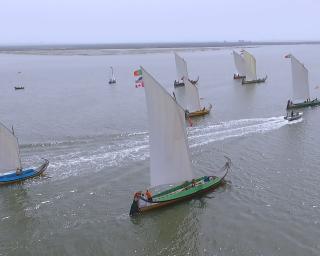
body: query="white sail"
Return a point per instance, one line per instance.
(300, 83)
(9, 151)
(192, 93)
(169, 153)
(181, 67)
(250, 66)
(239, 63)
(181, 96)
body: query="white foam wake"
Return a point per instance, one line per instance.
(135, 146)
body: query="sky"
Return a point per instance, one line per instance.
(131, 21)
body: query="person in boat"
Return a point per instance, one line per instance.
(18, 171)
(149, 195)
(193, 183)
(204, 108)
(292, 113)
(135, 204)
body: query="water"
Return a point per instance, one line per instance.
(96, 139)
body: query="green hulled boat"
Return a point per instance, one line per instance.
(170, 161)
(308, 103)
(300, 86)
(250, 71)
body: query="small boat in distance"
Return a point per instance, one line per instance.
(251, 70)
(293, 116)
(19, 87)
(300, 86)
(19, 74)
(170, 161)
(112, 79)
(239, 63)
(182, 72)
(11, 170)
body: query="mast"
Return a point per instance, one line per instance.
(169, 152)
(112, 74)
(9, 151)
(250, 66)
(300, 80)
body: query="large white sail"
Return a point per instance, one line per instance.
(239, 63)
(192, 93)
(300, 83)
(181, 67)
(9, 151)
(169, 153)
(250, 66)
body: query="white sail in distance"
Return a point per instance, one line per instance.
(250, 66)
(9, 151)
(169, 152)
(300, 81)
(239, 63)
(181, 67)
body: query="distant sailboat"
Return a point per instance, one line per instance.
(19, 87)
(188, 97)
(11, 170)
(112, 79)
(300, 85)
(250, 69)
(182, 72)
(170, 161)
(239, 63)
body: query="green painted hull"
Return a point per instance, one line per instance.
(304, 104)
(186, 190)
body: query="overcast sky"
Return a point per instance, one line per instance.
(125, 21)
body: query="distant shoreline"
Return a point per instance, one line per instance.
(141, 46)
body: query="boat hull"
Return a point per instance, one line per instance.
(178, 84)
(237, 77)
(305, 104)
(257, 81)
(201, 112)
(24, 175)
(197, 191)
(294, 117)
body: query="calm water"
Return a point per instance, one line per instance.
(96, 139)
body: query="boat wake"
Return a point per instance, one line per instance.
(120, 150)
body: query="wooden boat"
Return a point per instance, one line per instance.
(239, 63)
(19, 87)
(28, 173)
(300, 86)
(307, 103)
(112, 79)
(182, 72)
(170, 161)
(250, 69)
(260, 80)
(201, 112)
(11, 170)
(293, 116)
(238, 76)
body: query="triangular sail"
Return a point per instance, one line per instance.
(239, 63)
(181, 67)
(250, 66)
(300, 83)
(169, 153)
(9, 151)
(192, 93)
